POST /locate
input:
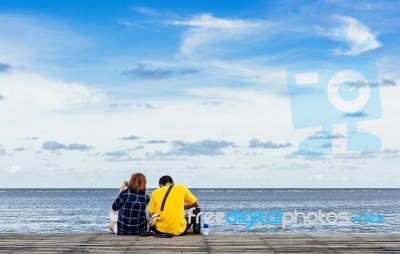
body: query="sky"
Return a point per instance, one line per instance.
(92, 91)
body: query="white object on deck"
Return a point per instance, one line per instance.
(113, 215)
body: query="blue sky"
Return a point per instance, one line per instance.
(92, 91)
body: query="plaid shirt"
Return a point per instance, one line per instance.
(132, 212)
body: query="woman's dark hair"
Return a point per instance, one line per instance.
(137, 182)
(165, 179)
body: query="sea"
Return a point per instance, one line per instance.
(225, 210)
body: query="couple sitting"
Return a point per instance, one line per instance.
(167, 204)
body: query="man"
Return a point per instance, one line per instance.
(172, 218)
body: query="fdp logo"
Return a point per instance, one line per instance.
(335, 93)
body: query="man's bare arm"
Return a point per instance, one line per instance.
(195, 204)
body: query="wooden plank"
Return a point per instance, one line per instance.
(215, 243)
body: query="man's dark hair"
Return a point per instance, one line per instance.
(165, 179)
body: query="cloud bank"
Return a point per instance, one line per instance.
(4, 67)
(132, 137)
(53, 145)
(255, 143)
(208, 30)
(205, 147)
(143, 72)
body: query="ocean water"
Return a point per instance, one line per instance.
(86, 210)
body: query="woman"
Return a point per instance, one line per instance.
(131, 203)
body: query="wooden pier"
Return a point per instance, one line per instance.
(214, 243)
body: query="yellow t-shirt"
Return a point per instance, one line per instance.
(172, 219)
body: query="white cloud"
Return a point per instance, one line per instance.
(28, 93)
(365, 5)
(207, 30)
(145, 11)
(249, 71)
(129, 23)
(13, 169)
(25, 40)
(358, 37)
(317, 177)
(206, 20)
